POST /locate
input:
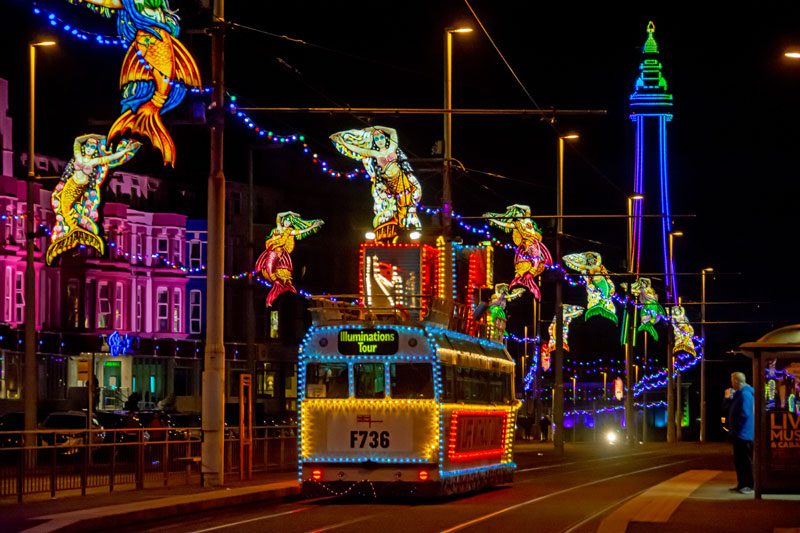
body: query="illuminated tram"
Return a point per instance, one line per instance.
(394, 400)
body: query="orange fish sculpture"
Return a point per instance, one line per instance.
(156, 71)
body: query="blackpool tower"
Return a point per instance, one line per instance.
(650, 111)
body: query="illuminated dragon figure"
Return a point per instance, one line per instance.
(76, 198)
(497, 308)
(155, 71)
(652, 311)
(683, 332)
(599, 287)
(571, 312)
(275, 263)
(396, 192)
(531, 256)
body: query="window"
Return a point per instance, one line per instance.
(8, 294)
(134, 246)
(370, 380)
(195, 311)
(103, 306)
(162, 315)
(412, 380)
(140, 247)
(177, 326)
(470, 385)
(265, 380)
(273, 324)
(139, 308)
(326, 380)
(177, 249)
(19, 224)
(195, 256)
(74, 303)
(119, 317)
(162, 246)
(19, 297)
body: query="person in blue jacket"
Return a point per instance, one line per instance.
(740, 423)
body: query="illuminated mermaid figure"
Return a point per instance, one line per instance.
(155, 71)
(76, 198)
(532, 256)
(652, 311)
(683, 332)
(599, 287)
(395, 190)
(275, 263)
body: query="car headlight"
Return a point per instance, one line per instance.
(611, 437)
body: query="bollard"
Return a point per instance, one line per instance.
(53, 466)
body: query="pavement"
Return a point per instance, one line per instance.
(694, 498)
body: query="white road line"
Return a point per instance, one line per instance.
(520, 470)
(341, 524)
(267, 517)
(540, 498)
(604, 510)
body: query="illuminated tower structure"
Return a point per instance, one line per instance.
(650, 111)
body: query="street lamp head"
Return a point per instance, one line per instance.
(44, 43)
(636, 197)
(459, 30)
(570, 136)
(791, 54)
(676, 234)
(708, 269)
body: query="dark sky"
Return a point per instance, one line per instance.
(732, 144)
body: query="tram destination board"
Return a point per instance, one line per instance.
(368, 342)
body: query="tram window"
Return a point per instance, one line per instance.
(412, 380)
(370, 380)
(499, 387)
(326, 380)
(448, 383)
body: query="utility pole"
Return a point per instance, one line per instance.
(212, 451)
(249, 288)
(703, 424)
(670, 386)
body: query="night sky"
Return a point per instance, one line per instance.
(732, 144)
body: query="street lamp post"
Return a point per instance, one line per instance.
(673, 429)
(31, 386)
(447, 186)
(703, 425)
(630, 422)
(574, 405)
(558, 357)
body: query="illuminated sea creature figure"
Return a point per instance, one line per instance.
(571, 312)
(275, 263)
(396, 192)
(155, 71)
(599, 287)
(77, 196)
(683, 332)
(497, 308)
(651, 310)
(531, 256)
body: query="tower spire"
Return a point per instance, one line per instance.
(650, 95)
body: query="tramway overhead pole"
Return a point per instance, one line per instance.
(212, 458)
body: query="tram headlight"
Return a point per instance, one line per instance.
(611, 437)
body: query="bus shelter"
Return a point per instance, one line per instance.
(776, 380)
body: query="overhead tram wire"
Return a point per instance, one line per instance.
(530, 97)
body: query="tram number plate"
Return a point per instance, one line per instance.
(371, 439)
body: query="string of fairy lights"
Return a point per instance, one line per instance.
(652, 381)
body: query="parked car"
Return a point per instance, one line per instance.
(120, 421)
(12, 422)
(71, 439)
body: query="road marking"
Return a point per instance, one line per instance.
(540, 498)
(598, 513)
(657, 503)
(267, 517)
(341, 524)
(520, 470)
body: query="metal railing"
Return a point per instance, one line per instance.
(82, 459)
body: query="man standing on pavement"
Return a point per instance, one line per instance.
(740, 420)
